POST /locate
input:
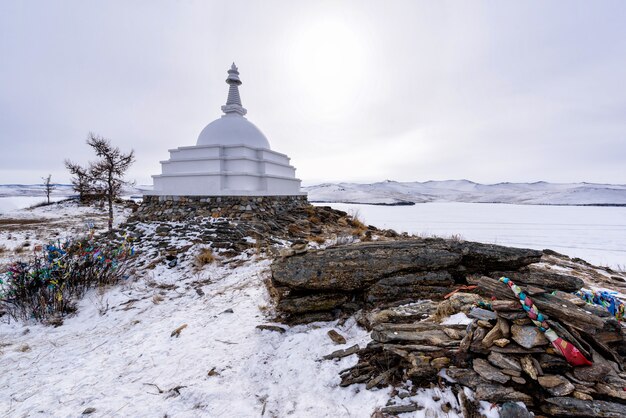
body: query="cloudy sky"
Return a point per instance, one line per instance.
(352, 91)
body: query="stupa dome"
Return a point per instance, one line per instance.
(233, 129)
(232, 157)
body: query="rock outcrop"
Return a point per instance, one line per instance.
(347, 278)
(393, 288)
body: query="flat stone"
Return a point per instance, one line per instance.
(582, 396)
(544, 279)
(342, 353)
(455, 334)
(528, 367)
(594, 373)
(494, 334)
(499, 393)
(504, 362)
(400, 409)
(551, 362)
(612, 391)
(518, 380)
(556, 385)
(482, 314)
(512, 373)
(504, 326)
(465, 377)
(501, 342)
(572, 407)
(311, 303)
(274, 328)
(487, 371)
(528, 336)
(513, 410)
(336, 337)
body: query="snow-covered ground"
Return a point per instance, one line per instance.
(595, 234)
(8, 204)
(117, 355)
(23, 230)
(539, 193)
(117, 362)
(20, 196)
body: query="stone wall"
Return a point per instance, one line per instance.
(178, 208)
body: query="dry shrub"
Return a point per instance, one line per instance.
(204, 257)
(3, 249)
(49, 283)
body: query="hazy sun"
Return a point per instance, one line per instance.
(328, 59)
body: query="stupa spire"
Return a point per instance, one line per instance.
(233, 102)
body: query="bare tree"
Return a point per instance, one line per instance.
(82, 183)
(104, 178)
(109, 170)
(49, 187)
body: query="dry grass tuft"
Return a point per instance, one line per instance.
(205, 257)
(457, 237)
(318, 239)
(294, 229)
(357, 224)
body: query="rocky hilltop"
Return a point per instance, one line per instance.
(259, 302)
(329, 266)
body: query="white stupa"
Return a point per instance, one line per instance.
(232, 157)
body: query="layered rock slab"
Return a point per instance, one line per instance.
(387, 272)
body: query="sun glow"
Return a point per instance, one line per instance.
(328, 61)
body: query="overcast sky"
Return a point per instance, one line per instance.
(352, 91)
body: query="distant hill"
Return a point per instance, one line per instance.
(10, 190)
(407, 193)
(539, 193)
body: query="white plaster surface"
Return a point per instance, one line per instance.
(231, 157)
(232, 129)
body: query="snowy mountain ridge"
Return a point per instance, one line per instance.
(65, 190)
(539, 193)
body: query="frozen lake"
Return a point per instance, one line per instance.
(11, 203)
(595, 234)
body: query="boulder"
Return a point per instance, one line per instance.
(358, 266)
